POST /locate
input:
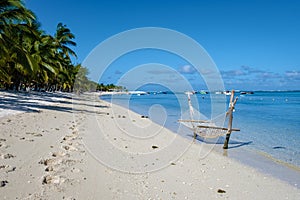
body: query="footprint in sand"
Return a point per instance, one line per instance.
(34, 134)
(2, 142)
(7, 156)
(50, 161)
(49, 179)
(69, 137)
(49, 169)
(7, 168)
(76, 170)
(4, 146)
(69, 148)
(59, 154)
(69, 162)
(3, 183)
(69, 198)
(10, 169)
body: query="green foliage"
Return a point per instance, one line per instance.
(31, 58)
(102, 87)
(82, 83)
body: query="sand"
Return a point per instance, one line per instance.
(60, 146)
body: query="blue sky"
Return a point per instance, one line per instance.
(255, 44)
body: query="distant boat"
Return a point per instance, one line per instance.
(162, 92)
(189, 93)
(228, 93)
(203, 92)
(112, 93)
(218, 92)
(247, 92)
(138, 93)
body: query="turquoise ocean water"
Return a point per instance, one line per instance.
(269, 121)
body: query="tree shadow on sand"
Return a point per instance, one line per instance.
(34, 102)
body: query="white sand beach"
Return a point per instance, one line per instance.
(61, 146)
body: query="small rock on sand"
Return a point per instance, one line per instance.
(221, 191)
(66, 147)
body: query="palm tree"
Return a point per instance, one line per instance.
(31, 57)
(55, 70)
(15, 19)
(63, 38)
(14, 10)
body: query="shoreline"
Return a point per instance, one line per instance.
(267, 165)
(261, 161)
(279, 162)
(52, 160)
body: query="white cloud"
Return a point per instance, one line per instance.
(187, 69)
(293, 75)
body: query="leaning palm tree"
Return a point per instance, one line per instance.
(14, 18)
